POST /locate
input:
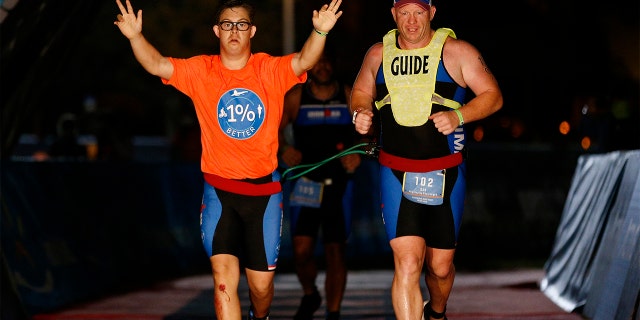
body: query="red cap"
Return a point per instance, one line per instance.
(423, 3)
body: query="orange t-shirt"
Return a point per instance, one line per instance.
(239, 110)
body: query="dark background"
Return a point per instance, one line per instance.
(103, 225)
(553, 60)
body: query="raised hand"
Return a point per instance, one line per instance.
(129, 24)
(326, 18)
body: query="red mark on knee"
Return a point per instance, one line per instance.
(223, 288)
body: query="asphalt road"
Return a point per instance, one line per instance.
(512, 294)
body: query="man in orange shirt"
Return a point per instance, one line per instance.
(238, 96)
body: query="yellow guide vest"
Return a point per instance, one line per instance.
(410, 77)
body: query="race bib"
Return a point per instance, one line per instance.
(306, 193)
(424, 187)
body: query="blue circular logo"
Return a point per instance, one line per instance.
(240, 113)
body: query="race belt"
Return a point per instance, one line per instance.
(242, 187)
(413, 165)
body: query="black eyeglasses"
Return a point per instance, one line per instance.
(240, 25)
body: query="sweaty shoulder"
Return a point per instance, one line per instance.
(375, 51)
(373, 58)
(456, 54)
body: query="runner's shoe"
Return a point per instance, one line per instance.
(250, 315)
(308, 306)
(426, 310)
(333, 315)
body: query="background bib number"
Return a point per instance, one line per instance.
(306, 193)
